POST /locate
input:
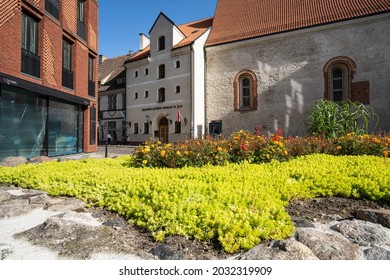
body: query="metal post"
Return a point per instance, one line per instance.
(106, 150)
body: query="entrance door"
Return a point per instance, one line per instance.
(163, 130)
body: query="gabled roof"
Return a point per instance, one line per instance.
(110, 70)
(192, 31)
(236, 20)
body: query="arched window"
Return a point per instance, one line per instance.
(245, 91)
(338, 76)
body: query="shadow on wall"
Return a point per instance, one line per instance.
(282, 104)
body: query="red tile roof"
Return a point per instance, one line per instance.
(243, 19)
(191, 30)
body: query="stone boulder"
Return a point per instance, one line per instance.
(376, 253)
(164, 252)
(364, 233)
(288, 249)
(40, 159)
(14, 161)
(380, 216)
(327, 246)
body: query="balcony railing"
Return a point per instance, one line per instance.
(31, 63)
(67, 78)
(91, 88)
(81, 29)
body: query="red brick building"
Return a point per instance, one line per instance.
(48, 74)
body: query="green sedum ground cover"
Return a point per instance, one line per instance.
(237, 205)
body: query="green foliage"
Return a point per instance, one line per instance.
(237, 205)
(333, 119)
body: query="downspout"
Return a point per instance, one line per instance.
(192, 110)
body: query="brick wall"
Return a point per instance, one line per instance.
(50, 37)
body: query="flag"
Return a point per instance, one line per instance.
(178, 116)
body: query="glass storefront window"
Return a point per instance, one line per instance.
(22, 123)
(33, 125)
(62, 127)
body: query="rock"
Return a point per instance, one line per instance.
(327, 246)
(38, 199)
(164, 252)
(69, 238)
(304, 223)
(4, 195)
(13, 161)
(288, 249)
(40, 159)
(377, 253)
(5, 250)
(15, 207)
(380, 216)
(364, 233)
(64, 204)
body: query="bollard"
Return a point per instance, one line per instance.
(106, 150)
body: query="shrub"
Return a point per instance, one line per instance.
(331, 119)
(237, 205)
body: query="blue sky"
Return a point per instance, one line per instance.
(121, 21)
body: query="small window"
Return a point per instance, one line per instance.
(161, 43)
(135, 128)
(146, 71)
(135, 95)
(136, 74)
(177, 89)
(146, 128)
(161, 71)
(177, 64)
(146, 94)
(161, 95)
(112, 102)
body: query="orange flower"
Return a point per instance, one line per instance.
(385, 153)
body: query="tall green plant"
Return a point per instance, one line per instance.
(333, 119)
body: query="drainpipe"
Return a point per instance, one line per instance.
(192, 109)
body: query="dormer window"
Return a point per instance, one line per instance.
(161, 43)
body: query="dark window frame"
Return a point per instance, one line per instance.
(30, 60)
(67, 70)
(81, 19)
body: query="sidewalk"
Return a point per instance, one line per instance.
(112, 151)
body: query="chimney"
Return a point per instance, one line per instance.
(102, 58)
(144, 41)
